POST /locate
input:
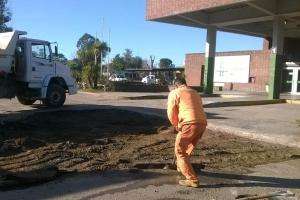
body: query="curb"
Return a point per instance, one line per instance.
(291, 101)
(230, 96)
(244, 103)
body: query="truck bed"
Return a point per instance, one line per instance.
(8, 42)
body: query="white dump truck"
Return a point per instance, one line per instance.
(30, 71)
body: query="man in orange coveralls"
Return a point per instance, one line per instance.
(186, 114)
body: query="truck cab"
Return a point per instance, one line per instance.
(31, 66)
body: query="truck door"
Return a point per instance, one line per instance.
(41, 63)
(20, 62)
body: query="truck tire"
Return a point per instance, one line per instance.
(25, 101)
(56, 96)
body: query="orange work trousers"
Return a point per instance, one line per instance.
(185, 143)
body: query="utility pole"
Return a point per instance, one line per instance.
(101, 67)
(102, 28)
(108, 56)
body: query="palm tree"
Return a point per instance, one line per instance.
(91, 52)
(100, 50)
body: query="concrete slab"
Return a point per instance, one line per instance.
(272, 123)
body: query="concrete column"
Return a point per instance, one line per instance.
(210, 52)
(276, 59)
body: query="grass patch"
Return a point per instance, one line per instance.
(298, 122)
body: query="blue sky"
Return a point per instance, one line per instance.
(65, 21)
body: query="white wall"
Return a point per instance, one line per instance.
(232, 69)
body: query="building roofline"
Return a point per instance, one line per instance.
(201, 6)
(241, 52)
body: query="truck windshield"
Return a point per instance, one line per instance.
(38, 51)
(41, 51)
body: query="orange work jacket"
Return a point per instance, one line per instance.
(185, 107)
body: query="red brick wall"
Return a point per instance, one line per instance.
(193, 63)
(259, 70)
(163, 8)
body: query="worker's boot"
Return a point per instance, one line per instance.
(189, 183)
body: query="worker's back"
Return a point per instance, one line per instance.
(189, 105)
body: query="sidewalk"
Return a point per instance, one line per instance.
(159, 184)
(276, 123)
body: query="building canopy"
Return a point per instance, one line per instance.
(250, 17)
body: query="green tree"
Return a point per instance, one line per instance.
(61, 58)
(87, 74)
(137, 62)
(127, 61)
(118, 63)
(101, 50)
(90, 73)
(5, 16)
(91, 49)
(165, 63)
(91, 52)
(76, 69)
(128, 58)
(85, 41)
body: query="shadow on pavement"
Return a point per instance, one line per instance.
(79, 107)
(77, 183)
(250, 181)
(147, 97)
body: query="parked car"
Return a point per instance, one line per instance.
(118, 78)
(150, 80)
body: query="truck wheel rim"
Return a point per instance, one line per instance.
(55, 97)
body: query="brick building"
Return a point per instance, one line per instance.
(258, 70)
(259, 65)
(276, 65)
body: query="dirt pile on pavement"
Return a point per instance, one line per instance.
(44, 145)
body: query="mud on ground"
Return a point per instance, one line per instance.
(37, 148)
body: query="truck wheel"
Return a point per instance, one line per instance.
(56, 96)
(25, 101)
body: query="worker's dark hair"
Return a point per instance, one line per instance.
(180, 81)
